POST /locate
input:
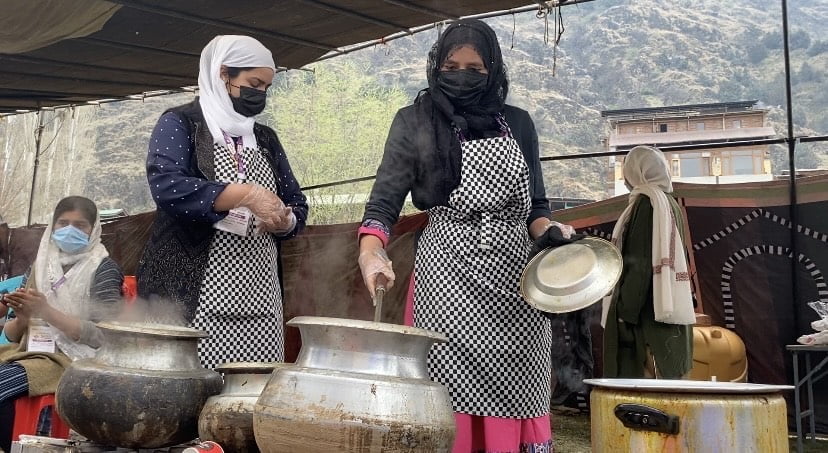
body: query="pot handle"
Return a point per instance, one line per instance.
(646, 418)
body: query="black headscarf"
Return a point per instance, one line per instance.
(478, 121)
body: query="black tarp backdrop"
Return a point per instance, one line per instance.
(760, 286)
(151, 45)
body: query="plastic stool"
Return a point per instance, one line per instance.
(129, 289)
(26, 412)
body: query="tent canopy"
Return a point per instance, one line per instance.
(55, 53)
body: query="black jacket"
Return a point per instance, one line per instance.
(410, 164)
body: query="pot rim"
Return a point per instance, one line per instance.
(159, 330)
(249, 367)
(685, 386)
(359, 324)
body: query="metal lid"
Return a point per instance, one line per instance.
(685, 386)
(365, 325)
(572, 276)
(162, 330)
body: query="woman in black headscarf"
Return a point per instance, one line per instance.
(472, 162)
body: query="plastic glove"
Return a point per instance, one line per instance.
(265, 205)
(372, 263)
(553, 237)
(286, 223)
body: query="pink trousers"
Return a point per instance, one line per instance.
(476, 434)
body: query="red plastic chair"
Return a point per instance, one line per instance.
(130, 289)
(27, 411)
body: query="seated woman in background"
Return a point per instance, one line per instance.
(72, 284)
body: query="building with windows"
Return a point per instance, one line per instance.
(694, 124)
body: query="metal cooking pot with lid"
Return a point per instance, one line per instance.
(681, 416)
(572, 276)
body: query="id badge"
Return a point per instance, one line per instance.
(237, 221)
(40, 338)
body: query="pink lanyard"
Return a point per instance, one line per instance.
(238, 156)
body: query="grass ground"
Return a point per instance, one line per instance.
(572, 436)
(571, 433)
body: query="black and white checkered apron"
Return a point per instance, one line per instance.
(240, 301)
(468, 265)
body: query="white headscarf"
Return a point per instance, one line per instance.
(232, 51)
(646, 170)
(73, 296)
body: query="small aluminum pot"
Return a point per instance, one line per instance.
(227, 418)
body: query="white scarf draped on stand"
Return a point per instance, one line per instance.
(72, 297)
(646, 170)
(232, 51)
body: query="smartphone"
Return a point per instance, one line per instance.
(12, 284)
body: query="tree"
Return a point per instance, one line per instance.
(800, 39)
(17, 133)
(817, 48)
(806, 158)
(333, 122)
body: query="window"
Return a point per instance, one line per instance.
(742, 165)
(699, 126)
(662, 127)
(691, 167)
(737, 124)
(695, 166)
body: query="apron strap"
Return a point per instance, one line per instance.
(486, 232)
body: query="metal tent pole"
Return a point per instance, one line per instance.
(38, 137)
(793, 211)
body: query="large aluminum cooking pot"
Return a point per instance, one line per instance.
(679, 416)
(357, 386)
(144, 388)
(227, 418)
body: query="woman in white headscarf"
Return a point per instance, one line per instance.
(649, 316)
(226, 198)
(72, 284)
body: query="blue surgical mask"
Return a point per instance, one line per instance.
(70, 239)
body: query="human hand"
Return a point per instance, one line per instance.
(265, 205)
(284, 223)
(556, 235)
(374, 262)
(26, 303)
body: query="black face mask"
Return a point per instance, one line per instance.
(464, 87)
(250, 102)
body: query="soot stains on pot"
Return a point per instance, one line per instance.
(143, 389)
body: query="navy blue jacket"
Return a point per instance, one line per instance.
(181, 174)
